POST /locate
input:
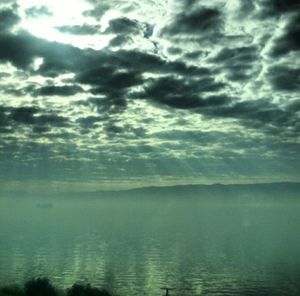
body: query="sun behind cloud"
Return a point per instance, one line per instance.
(44, 18)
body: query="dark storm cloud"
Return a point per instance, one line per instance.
(108, 78)
(105, 70)
(238, 63)
(38, 11)
(285, 78)
(89, 122)
(195, 55)
(239, 55)
(51, 120)
(8, 19)
(183, 94)
(84, 29)
(271, 8)
(294, 106)
(53, 90)
(112, 129)
(39, 119)
(23, 114)
(123, 26)
(198, 22)
(119, 41)
(113, 73)
(145, 62)
(290, 39)
(21, 49)
(109, 82)
(174, 50)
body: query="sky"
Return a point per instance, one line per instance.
(116, 94)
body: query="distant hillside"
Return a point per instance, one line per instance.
(283, 189)
(280, 190)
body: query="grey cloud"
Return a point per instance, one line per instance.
(112, 129)
(271, 8)
(52, 120)
(104, 106)
(52, 90)
(194, 55)
(40, 120)
(38, 11)
(98, 11)
(294, 106)
(148, 30)
(145, 62)
(89, 121)
(284, 78)
(113, 73)
(109, 82)
(21, 49)
(8, 19)
(84, 29)
(174, 50)
(262, 114)
(23, 114)
(290, 40)
(3, 117)
(237, 62)
(12, 2)
(16, 49)
(124, 132)
(119, 41)
(101, 7)
(183, 94)
(206, 138)
(96, 68)
(198, 22)
(123, 26)
(245, 8)
(240, 55)
(17, 91)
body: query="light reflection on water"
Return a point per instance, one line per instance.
(135, 247)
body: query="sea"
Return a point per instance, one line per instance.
(141, 245)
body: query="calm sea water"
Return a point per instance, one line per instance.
(137, 246)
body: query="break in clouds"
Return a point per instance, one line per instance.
(145, 91)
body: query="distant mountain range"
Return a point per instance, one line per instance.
(282, 189)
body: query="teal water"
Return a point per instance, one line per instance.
(137, 246)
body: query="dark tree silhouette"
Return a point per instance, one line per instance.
(86, 290)
(39, 287)
(12, 290)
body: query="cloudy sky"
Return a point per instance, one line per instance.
(118, 94)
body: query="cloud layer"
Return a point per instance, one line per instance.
(195, 91)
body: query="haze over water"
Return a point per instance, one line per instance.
(135, 246)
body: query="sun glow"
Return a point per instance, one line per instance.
(61, 13)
